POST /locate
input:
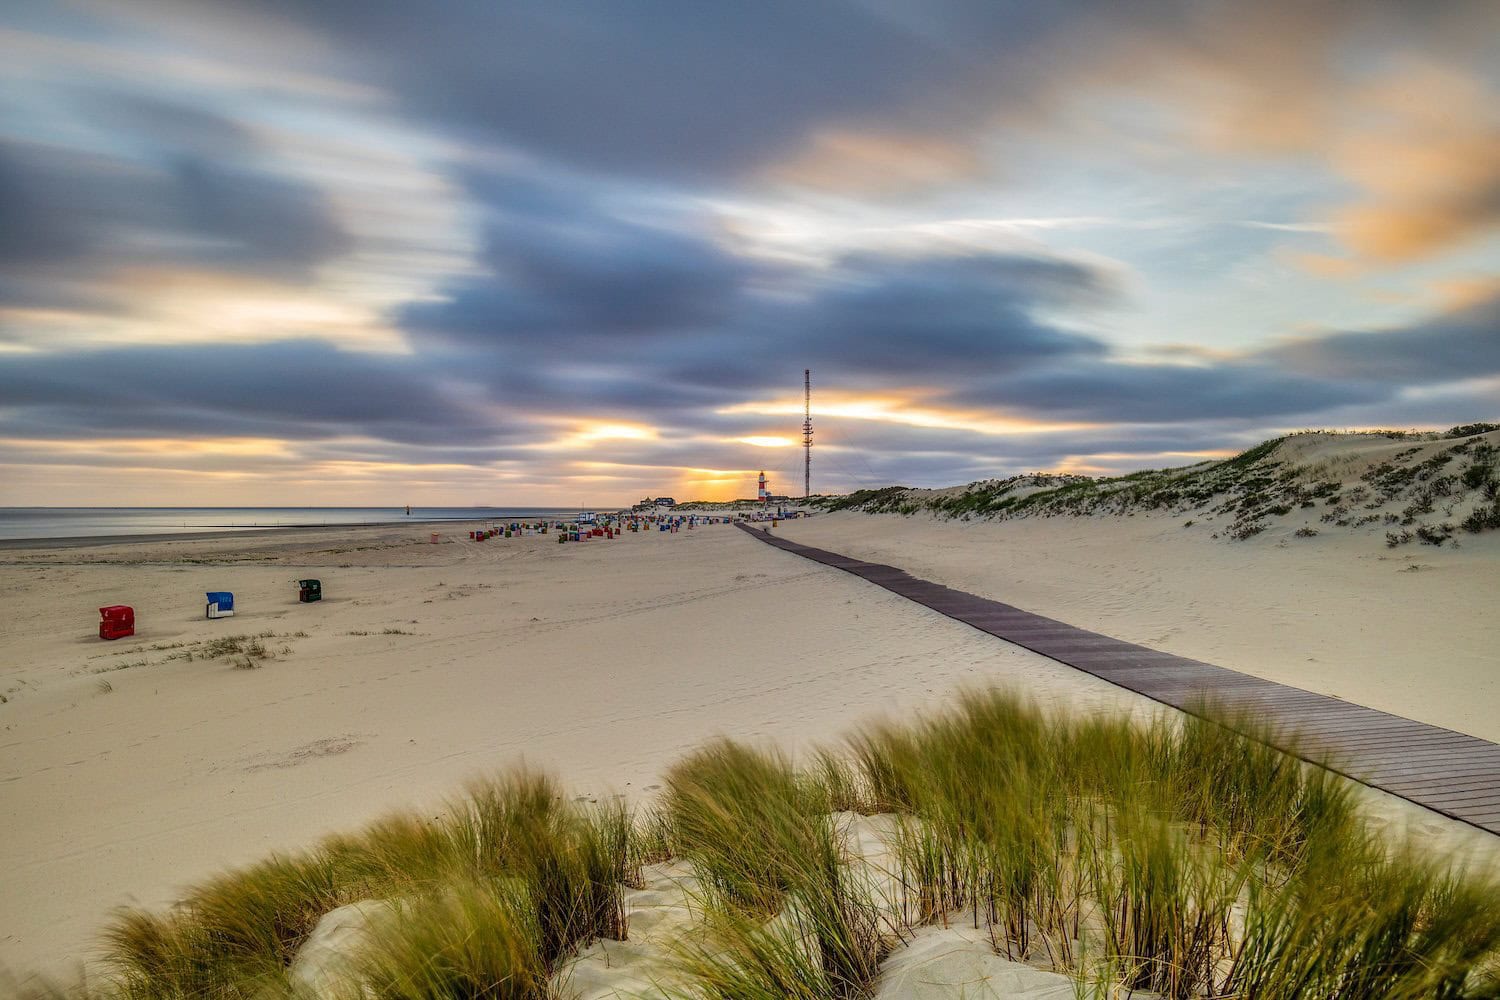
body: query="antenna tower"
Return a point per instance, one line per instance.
(807, 433)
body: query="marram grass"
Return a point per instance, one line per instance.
(1181, 859)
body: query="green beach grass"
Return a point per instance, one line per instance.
(1175, 859)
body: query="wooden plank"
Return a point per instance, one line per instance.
(1417, 740)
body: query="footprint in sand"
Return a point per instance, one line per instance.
(330, 746)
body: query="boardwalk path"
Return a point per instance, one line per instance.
(1448, 772)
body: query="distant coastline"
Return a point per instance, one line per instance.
(45, 527)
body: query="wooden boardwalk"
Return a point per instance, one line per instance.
(1448, 772)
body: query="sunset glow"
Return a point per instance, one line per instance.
(256, 252)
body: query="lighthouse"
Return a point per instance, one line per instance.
(761, 496)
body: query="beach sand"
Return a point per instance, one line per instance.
(1409, 631)
(604, 662)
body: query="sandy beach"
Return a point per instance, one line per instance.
(1409, 631)
(130, 771)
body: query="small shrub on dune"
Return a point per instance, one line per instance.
(230, 937)
(573, 870)
(496, 814)
(471, 941)
(1483, 518)
(763, 843)
(827, 942)
(1164, 904)
(653, 840)
(884, 757)
(1354, 922)
(740, 815)
(1230, 780)
(836, 783)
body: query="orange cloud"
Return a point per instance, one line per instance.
(1323, 265)
(843, 160)
(1429, 163)
(1461, 293)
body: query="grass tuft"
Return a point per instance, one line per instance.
(1182, 858)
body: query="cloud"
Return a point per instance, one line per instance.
(1448, 347)
(1298, 378)
(289, 390)
(1429, 165)
(73, 217)
(1113, 392)
(557, 269)
(868, 162)
(570, 280)
(884, 319)
(529, 199)
(656, 90)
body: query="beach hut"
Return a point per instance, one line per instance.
(116, 621)
(220, 604)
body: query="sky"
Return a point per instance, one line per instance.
(553, 252)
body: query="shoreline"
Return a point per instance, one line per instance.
(219, 533)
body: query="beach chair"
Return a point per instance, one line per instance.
(220, 604)
(116, 621)
(309, 591)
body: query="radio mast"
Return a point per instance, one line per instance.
(807, 433)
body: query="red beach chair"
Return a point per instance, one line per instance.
(116, 621)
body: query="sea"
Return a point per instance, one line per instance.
(84, 522)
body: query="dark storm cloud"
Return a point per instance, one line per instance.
(877, 321)
(557, 266)
(1300, 378)
(251, 221)
(292, 390)
(1112, 392)
(53, 202)
(569, 281)
(666, 89)
(703, 93)
(1458, 345)
(905, 317)
(71, 215)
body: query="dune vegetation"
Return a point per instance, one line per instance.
(1424, 487)
(1180, 858)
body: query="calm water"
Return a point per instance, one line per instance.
(73, 522)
